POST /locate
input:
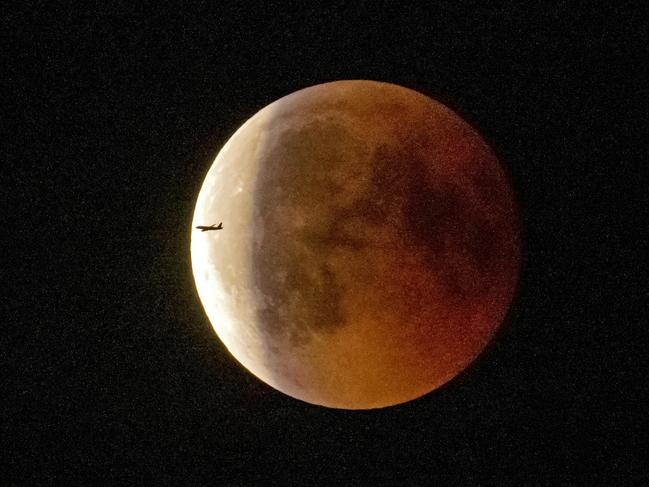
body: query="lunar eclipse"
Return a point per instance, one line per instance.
(371, 244)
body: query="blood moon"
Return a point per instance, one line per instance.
(370, 247)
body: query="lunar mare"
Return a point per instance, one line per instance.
(370, 248)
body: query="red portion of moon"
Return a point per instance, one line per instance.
(383, 245)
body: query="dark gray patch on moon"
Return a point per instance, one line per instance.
(442, 222)
(293, 205)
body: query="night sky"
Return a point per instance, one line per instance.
(111, 118)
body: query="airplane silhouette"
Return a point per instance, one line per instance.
(203, 228)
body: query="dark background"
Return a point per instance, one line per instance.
(111, 118)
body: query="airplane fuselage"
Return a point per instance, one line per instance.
(204, 228)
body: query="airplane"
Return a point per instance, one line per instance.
(203, 228)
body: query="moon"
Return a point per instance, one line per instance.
(370, 247)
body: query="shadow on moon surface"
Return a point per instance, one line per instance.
(304, 223)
